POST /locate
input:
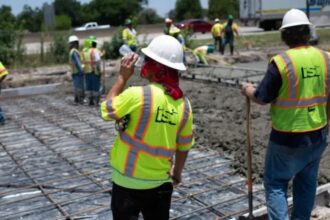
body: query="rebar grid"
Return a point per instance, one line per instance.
(60, 153)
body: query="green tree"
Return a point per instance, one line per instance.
(223, 8)
(114, 12)
(71, 8)
(8, 35)
(188, 9)
(63, 22)
(148, 16)
(30, 19)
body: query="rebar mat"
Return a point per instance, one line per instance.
(54, 165)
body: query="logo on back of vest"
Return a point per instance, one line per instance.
(165, 116)
(310, 72)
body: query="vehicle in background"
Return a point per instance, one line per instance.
(195, 25)
(268, 14)
(91, 26)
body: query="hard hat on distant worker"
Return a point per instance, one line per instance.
(92, 38)
(166, 50)
(230, 17)
(216, 20)
(168, 21)
(128, 21)
(73, 38)
(294, 17)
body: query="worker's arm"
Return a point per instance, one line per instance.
(126, 71)
(268, 89)
(180, 159)
(249, 90)
(77, 62)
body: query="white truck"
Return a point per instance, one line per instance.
(269, 13)
(91, 26)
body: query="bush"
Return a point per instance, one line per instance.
(112, 48)
(63, 22)
(59, 49)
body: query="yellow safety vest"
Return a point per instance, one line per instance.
(129, 35)
(302, 99)
(158, 126)
(90, 66)
(74, 69)
(3, 71)
(216, 30)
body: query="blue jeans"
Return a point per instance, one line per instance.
(93, 82)
(2, 117)
(284, 163)
(78, 81)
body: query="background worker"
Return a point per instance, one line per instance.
(129, 36)
(296, 85)
(3, 75)
(92, 60)
(229, 30)
(159, 126)
(168, 25)
(76, 70)
(201, 52)
(216, 34)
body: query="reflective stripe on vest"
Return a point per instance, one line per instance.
(110, 110)
(145, 113)
(184, 139)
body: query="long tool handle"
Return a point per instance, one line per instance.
(249, 157)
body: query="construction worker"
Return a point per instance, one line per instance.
(154, 124)
(168, 26)
(296, 84)
(229, 30)
(129, 35)
(3, 75)
(216, 34)
(76, 70)
(201, 52)
(92, 60)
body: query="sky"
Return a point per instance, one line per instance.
(161, 6)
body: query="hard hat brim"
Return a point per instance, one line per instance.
(177, 66)
(294, 24)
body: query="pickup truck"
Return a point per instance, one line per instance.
(91, 26)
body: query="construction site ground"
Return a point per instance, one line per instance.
(54, 155)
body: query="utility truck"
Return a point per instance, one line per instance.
(91, 26)
(268, 14)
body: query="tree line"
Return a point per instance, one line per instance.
(72, 13)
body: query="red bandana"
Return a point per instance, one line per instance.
(163, 75)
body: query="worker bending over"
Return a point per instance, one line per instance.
(76, 70)
(297, 86)
(3, 75)
(154, 123)
(201, 52)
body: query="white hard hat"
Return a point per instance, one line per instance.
(294, 17)
(216, 20)
(168, 20)
(73, 38)
(166, 50)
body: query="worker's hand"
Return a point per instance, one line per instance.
(127, 65)
(176, 177)
(247, 89)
